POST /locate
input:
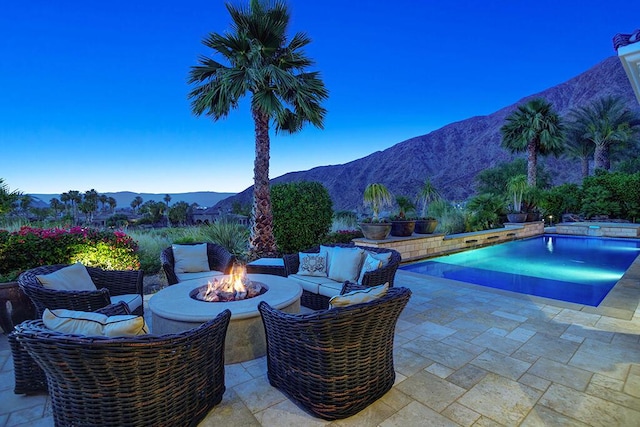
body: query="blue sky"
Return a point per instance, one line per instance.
(94, 94)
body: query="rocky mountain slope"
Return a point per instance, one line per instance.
(453, 155)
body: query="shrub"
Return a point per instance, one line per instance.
(484, 212)
(565, 198)
(302, 215)
(32, 247)
(342, 236)
(229, 234)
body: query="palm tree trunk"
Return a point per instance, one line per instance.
(584, 163)
(532, 163)
(262, 242)
(601, 157)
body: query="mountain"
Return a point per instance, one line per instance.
(124, 198)
(453, 155)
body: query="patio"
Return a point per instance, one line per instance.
(465, 355)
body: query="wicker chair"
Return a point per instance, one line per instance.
(334, 363)
(109, 283)
(372, 278)
(148, 380)
(220, 259)
(29, 377)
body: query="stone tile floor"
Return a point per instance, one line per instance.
(464, 356)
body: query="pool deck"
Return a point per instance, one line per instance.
(465, 355)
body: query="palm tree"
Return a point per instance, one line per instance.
(7, 197)
(75, 198)
(55, 205)
(136, 203)
(167, 199)
(262, 63)
(606, 122)
(578, 147)
(534, 128)
(112, 203)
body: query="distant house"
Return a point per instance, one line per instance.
(210, 215)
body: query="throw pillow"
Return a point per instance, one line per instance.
(329, 251)
(345, 264)
(385, 257)
(359, 296)
(313, 264)
(190, 258)
(72, 278)
(93, 324)
(370, 264)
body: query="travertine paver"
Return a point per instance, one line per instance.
(464, 356)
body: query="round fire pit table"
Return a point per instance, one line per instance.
(173, 310)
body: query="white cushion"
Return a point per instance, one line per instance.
(345, 264)
(311, 283)
(199, 275)
(330, 289)
(133, 301)
(313, 264)
(190, 258)
(329, 251)
(359, 296)
(370, 264)
(385, 257)
(72, 278)
(93, 324)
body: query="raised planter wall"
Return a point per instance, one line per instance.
(420, 246)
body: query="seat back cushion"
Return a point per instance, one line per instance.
(190, 258)
(93, 324)
(329, 251)
(359, 296)
(312, 264)
(385, 257)
(346, 264)
(72, 278)
(370, 264)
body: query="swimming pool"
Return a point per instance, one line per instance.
(568, 268)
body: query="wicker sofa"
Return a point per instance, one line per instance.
(316, 292)
(145, 380)
(220, 262)
(112, 286)
(312, 357)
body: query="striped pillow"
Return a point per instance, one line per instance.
(359, 296)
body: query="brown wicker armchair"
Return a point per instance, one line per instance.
(110, 283)
(372, 278)
(148, 380)
(220, 259)
(334, 363)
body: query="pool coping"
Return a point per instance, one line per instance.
(621, 302)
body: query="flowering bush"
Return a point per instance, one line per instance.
(32, 247)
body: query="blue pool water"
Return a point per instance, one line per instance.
(567, 268)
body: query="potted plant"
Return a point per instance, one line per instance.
(516, 187)
(428, 193)
(377, 196)
(401, 225)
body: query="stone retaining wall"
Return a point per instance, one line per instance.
(597, 229)
(420, 246)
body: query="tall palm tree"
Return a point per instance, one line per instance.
(112, 204)
(262, 63)
(606, 122)
(7, 197)
(534, 128)
(578, 147)
(136, 203)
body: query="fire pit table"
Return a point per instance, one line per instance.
(174, 310)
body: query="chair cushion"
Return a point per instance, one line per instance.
(370, 264)
(329, 251)
(199, 275)
(345, 264)
(72, 278)
(93, 324)
(310, 283)
(385, 257)
(330, 288)
(359, 296)
(190, 258)
(133, 301)
(313, 264)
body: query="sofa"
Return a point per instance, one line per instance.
(195, 261)
(319, 286)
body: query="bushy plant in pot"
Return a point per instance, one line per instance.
(428, 193)
(377, 196)
(402, 225)
(516, 187)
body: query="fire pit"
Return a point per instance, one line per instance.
(175, 309)
(234, 287)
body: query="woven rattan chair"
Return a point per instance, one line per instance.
(148, 380)
(29, 377)
(336, 362)
(372, 278)
(110, 283)
(220, 259)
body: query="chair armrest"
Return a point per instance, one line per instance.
(118, 282)
(168, 262)
(115, 309)
(220, 259)
(291, 263)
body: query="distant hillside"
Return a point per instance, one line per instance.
(453, 155)
(124, 198)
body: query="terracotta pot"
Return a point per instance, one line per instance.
(426, 226)
(15, 306)
(402, 228)
(375, 231)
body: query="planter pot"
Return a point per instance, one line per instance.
(426, 226)
(375, 231)
(402, 228)
(15, 306)
(517, 217)
(533, 216)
